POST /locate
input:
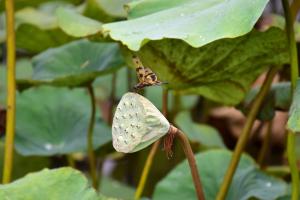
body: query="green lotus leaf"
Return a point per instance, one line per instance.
(41, 23)
(105, 10)
(62, 183)
(75, 24)
(19, 4)
(222, 71)
(75, 64)
(201, 133)
(248, 181)
(195, 22)
(54, 121)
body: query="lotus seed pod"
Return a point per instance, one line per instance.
(137, 123)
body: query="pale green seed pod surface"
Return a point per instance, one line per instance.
(137, 123)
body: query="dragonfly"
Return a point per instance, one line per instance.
(145, 75)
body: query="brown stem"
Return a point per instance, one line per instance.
(192, 162)
(91, 155)
(112, 98)
(165, 102)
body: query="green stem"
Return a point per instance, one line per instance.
(11, 91)
(292, 43)
(71, 161)
(91, 155)
(294, 76)
(266, 143)
(245, 133)
(293, 164)
(152, 152)
(146, 170)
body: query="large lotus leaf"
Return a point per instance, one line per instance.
(201, 133)
(195, 22)
(74, 64)
(55, 121)
(221, 71)
(63, 183)
(248, 181)
(294, 118)
(23, 165)
(278, 98)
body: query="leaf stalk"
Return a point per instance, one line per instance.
(91, 155)
(11, 91)
(245, 133)
(291, 138)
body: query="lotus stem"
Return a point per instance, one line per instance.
(266, 144)
(152, 152)
(246, 133)
(294, 76)
(112, 97)
(11, 91)
(91, 155)
(192, 162)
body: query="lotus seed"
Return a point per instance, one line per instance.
(120, 138)
(132, 136)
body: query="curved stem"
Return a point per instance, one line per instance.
(294, 76)
(91, 155)
(245, 133)
(152, 152)
(11, 91)
(266, 143)
(192, 163)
